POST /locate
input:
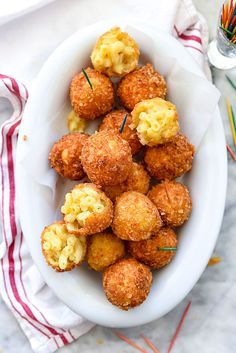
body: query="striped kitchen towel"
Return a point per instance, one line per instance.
(46, 321)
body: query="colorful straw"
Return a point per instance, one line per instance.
(229, 149)
(231, 119)
(130, 342)
(180, 324)
(150, 344)
(228, 20)
(214, 260)
(231, 82)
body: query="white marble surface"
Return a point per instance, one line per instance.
(211, 325)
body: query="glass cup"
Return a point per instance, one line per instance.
(224, 45)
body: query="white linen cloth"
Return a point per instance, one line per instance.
(11, 9)
(46, 321)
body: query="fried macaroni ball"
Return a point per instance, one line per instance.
(113, 121)
(62, 250)
(155, 120)
(65, 156)
(115, 53)
(91, 102)
(171, 160)
(135, 217)
(173, 202)
(106, 158)
(87, 210)
(127, 283)
(104, 249)
(75, 123)
(138, 180)
(147, 251)
(140, 84)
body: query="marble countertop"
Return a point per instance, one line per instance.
(210, 325)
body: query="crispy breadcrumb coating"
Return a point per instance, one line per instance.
(65, 156)
(138, 180)
(155, 120)
(135, 217)
(113, 121)
(87, 210)
(127, 283)
(146, 251)
(90, 103)
(62, 250)
(173, 202)
(141, 84)
(106, 158)
(115, 53)
(104, 249)
(115, 190)
(171, 160)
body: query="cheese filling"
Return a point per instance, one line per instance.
(80, 204)
(61, 248)
(115, 55)
(75, 123)
(156, 122)
(115, 51)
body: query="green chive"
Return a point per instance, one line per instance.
(167, 249)
(231, 82)
(87, 78)
(123, 124)
(233, 116)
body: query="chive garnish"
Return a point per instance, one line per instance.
(123, 124)
(87, 79)
(234, 120)
(167, 249)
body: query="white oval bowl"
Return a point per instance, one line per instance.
(81, 289)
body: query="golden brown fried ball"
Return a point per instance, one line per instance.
(113, 121)
(147, 251)
(171, 160)
(62, 250)
(115, 190)
(104, 249)
(106, 158)
(173, 202)
(90, 103)
(115, 53)
(127, 283)
(135, 217)
(87, 210)
(138, 180)
(65, 156)
(140, 84)
(155, 120)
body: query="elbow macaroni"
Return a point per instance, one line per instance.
(115, 53)
(75, 123)
(80, 204)
(62, 250)
(156, 121)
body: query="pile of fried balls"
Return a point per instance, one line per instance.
(122, 219)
